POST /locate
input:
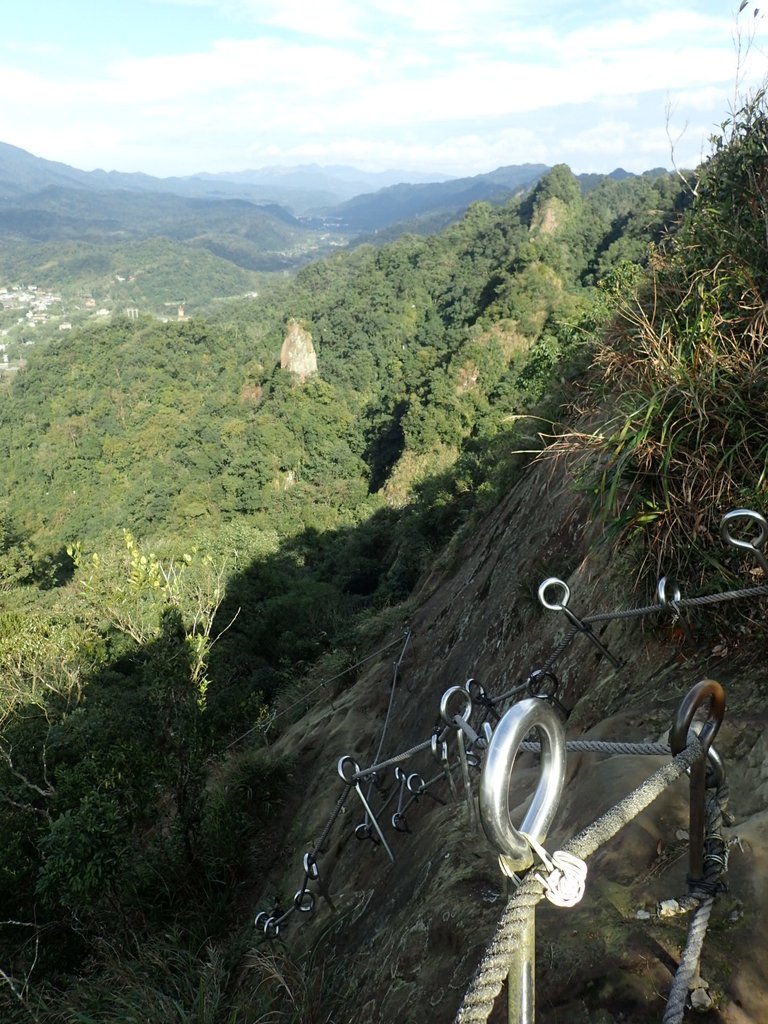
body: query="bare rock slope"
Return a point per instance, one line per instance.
(400, 942)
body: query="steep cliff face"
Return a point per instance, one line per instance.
(400, 942)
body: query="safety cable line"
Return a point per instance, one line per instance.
(633, 613)
(478, 1002)
(686, 902)
(393, 688)
(395, 672)
(685, 602)
(603, 747)
(331, 821)
(319, 686)
(397, 759)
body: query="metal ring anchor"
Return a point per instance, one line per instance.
(349, 770)
(710, 690)
(460, 721)
(754, 546)
(304, 901)
(450, 695)
(545, 685)
(583, 627)
(495, 782)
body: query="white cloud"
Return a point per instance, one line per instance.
(408, 82)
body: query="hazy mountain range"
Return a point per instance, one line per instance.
(304, 189)
(362, 201)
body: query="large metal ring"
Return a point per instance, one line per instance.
(706, 689)
(446, 699)
(553, 581)
(496, 781)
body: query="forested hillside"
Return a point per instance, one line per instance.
(189, 533)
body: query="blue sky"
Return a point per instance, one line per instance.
(457, 86)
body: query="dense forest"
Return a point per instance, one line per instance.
(190, 535)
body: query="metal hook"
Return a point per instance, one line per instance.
(311, 870)
(479, 696)
(440, 754)
(562, 606)
(535, 689)
(514, 849)
(400, 822)
(707, 689)
(754, 546)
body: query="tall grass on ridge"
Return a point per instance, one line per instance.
(688, 358)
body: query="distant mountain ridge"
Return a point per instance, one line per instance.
(404, 201)
(302, 189)
(266, 219)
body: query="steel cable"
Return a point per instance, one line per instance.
(603, 747)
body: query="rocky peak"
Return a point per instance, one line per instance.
(298, 353)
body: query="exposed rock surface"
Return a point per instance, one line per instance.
(402, 941)
(298, 353)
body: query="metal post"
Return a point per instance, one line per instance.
(521, 990)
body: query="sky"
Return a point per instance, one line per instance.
(455, 87)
